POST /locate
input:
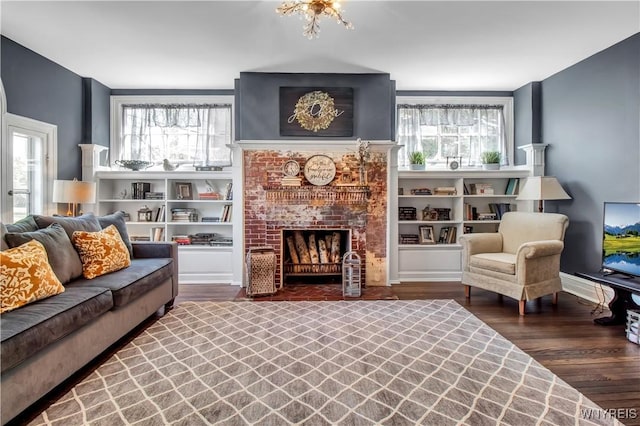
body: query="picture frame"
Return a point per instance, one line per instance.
(426, 235)
(184, 191)
(316, 111)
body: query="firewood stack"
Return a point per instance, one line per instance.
(316, 253)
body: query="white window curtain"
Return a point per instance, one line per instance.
(457, 130)
(197, 134)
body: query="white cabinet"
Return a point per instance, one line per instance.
(446, 204)
(193, 208)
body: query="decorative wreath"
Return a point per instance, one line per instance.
(315, 111)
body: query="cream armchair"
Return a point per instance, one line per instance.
(521, 260)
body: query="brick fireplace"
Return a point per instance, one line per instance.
(345, 204)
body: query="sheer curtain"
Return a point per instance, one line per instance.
(197, 134)
(475, 128)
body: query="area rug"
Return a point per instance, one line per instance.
(391, 362)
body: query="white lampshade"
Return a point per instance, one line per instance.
(542, 188)
(73, 192)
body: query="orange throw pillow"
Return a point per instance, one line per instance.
(26, 276)
(101, 252)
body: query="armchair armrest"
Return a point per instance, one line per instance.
(486, 242)
(483, 242)
(535, 249)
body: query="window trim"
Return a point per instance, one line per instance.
(505, 101)
(117, 101)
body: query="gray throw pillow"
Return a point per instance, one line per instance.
(63, 258)
(86, 222)
(28, 224)
(117, 219)
(3, 241)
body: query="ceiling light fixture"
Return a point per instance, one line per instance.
(313, 10)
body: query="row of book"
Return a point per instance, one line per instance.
(447, 235)
(496, 210)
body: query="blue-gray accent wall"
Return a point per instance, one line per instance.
(591, 121)
(526, 120)
(96, 104)
(258, 94)
(38, 88)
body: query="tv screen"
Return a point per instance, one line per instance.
(621, 238)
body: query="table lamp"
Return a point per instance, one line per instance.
(73, 192)
(542, 188)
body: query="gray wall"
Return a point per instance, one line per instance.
(526, 120)
(96, 104)
(38, 88)
(257, 103)
(591, 119)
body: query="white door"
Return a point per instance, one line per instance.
(28, 167)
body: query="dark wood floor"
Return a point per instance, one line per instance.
(597, 360)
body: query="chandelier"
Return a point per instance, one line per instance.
(313, 10)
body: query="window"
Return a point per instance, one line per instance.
(183, 130)
(448, 128)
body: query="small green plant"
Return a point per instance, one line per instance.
(490, 157)
(416, 157)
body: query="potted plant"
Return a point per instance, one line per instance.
(491, 160)
(416, 160)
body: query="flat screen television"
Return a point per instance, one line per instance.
(621, 238)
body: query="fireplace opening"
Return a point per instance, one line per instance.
(311, 256)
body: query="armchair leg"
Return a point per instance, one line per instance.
(467, 291)
(555, 298)
(521, 305)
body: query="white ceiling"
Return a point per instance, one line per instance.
(423, 45)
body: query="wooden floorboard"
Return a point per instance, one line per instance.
(597, 360)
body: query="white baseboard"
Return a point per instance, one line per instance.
(586, 289)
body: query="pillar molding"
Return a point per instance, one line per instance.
(535, 157)
(90, 159)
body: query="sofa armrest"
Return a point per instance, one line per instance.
(157, 249)
(535, 249)
(484, 242)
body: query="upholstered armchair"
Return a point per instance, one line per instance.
(521, 260)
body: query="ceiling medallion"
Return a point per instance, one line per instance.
(315, 111)
(313, 10)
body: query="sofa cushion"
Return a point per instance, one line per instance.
(117, 219)
(63, 258)
(101, 252)
(3, 232)
(27, 224)
(86, 222)
(26, 276)
(27, 330)
(128, 284)
(499, 262)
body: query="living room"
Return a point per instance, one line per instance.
(585, 110)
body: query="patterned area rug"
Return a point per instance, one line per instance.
(389, 362)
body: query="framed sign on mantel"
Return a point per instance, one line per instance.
(316, 111)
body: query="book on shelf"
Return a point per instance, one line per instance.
(226, 213)
(445, 190)
(154, 195)
(159, 214)
(512, 186)
(139, 189)
(499, 209)
(409, 239)
(421, 191)
(156, 233)
(210, 196)
(139, 238)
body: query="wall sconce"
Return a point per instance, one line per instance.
(73, 192)
(542, 188)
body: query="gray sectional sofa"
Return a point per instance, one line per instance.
(45, 342)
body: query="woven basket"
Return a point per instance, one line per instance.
(261, 271)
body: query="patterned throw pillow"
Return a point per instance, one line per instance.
(101, 252)
(26, 276)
